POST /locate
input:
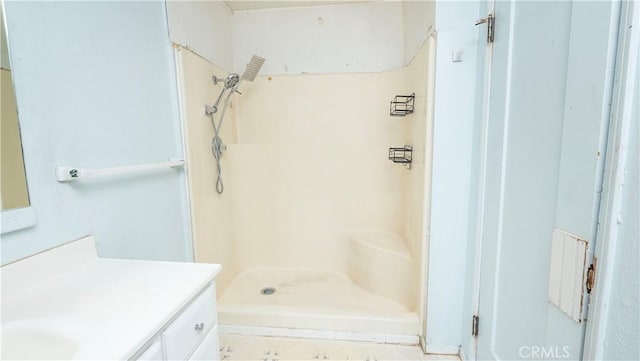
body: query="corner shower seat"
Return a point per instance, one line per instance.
(381, 263)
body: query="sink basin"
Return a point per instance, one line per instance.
(24, 342)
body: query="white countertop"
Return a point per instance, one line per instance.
(84, 307)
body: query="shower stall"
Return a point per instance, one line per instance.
(318, 232)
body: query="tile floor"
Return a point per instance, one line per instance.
(239, 347)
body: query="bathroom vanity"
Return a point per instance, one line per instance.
(66, 303)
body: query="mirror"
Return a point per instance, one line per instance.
(15, 210)
(13, 180)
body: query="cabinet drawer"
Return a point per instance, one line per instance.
(184, 334)
(208, 349)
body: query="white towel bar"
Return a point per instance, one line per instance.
(68, 173)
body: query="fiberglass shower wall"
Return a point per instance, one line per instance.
(211, 220)
(311, 167)
(307, 179)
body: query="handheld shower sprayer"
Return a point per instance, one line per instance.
(231, 84)
(231, 81)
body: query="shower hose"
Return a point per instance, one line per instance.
(217, 146)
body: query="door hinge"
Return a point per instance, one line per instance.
(591, 277)
(491, 26)
(474, 325)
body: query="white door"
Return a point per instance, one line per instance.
(549, 91)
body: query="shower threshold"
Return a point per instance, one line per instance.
(312, 303)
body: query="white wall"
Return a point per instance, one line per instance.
(451, 183)
(95, 88)
(204, 27)
(362, 37)
(418, 17)
(387, 35)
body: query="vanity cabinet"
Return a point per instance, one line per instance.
(49, 301)
(154, 352)
(191, 335)
(208, 349)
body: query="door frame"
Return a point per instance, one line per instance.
(625, 75)
(483, 90)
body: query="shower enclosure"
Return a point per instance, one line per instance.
(318, 232)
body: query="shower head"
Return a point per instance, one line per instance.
(253, 68)
(231, 81)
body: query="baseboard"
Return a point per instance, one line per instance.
(423, 344)
(443, 350)
(319, 334)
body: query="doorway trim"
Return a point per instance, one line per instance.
(625, 76)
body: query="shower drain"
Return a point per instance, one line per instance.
(268, 291)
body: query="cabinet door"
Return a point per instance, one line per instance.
(186, 332)
(153, 353)
(208, 349)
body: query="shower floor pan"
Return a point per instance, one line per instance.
(313, 300)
